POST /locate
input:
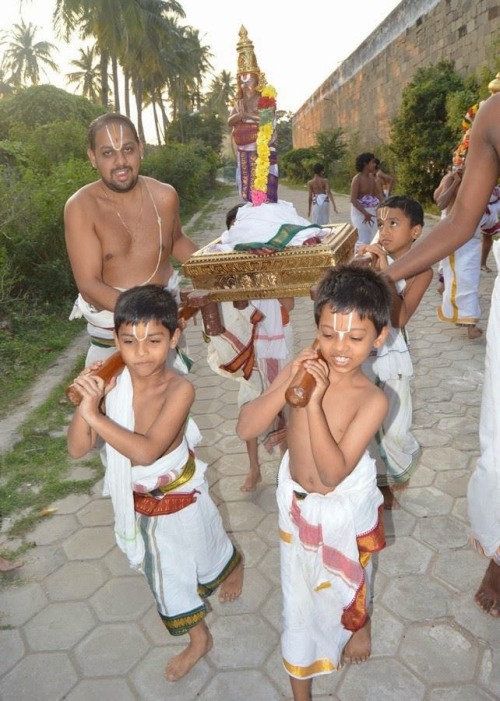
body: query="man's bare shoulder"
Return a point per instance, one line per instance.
(158, 188)
(84, 194)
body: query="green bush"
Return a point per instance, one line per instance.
(190, 168)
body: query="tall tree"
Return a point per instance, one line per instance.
(26, 58)
(87, 78)
(220, 95)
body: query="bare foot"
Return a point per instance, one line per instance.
(201, 642)
(359, 647)
(253, 478)
(232, 586)
(390, 501)
(488, 594)
(440, 288)
(474, 332)
(9, 565)
(486, 268)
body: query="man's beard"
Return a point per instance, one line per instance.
(121, 187)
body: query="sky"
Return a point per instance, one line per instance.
(297, 49)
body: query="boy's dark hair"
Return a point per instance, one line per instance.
(410, 207)
(377, 163)
(353, 287)
(363, 159)
(318, 168)
(146, 303)
(104, 120)
(232, 214)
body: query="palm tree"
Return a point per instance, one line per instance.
(221, 94)
(24, 57)
(87, 78)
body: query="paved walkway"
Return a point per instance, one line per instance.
(79, 625)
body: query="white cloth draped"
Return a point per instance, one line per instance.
(320, 568)
(320, 210)
(484, 486)
(121, 476)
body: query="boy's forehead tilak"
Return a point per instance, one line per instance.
(140, 330)
(344, 331)
(382, 213)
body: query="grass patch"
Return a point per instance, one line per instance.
(33, 338)
(37, 471)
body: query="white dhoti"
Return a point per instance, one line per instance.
(253, 349)
(394, 448)
(325, 543)
(320, 210)
(461, 271)
(484, 486)
(366, 231)
(185, 555)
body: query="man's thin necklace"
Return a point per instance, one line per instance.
(122, 221)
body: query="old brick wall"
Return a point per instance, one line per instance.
(364, 92)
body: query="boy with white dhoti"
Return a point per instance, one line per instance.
(329, 503)
(165, 520)
(400, 220)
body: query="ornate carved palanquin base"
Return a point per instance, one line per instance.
(235, 276)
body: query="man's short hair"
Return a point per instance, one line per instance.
(363, 159)
(318, 168)
(104, 120)
(146, 303)
(352, 287)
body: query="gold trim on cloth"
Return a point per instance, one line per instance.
(287, 537)
(318, 667)
(178, 625)
(186, 474)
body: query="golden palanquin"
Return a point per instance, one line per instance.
(238, 276)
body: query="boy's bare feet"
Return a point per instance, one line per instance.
(474, 332)
(9, 565)
(359, 647)
(488, 594)
(440, 288)
(200, 643)
(232, 586)
(252, 480)
(486, 268)
(390, 501)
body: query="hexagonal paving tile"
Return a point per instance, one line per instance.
(98, 513)
(243, 684)
(12, 648)
(427, 501)
(256, 589)
(459, 569)
(416, 598)
(442, 532)
(59, 626)
(151, 684)
(43, 676)
(242, 516)
(55, 529)
(41, 561)
(90, 543)
(405, 556)
(122, 599)
(251, 547)
(439, 653)
(384, 678)
(114, 647)
(75, 580)
(106, 689)
(241, 641)
(19, 604)
(460, 693)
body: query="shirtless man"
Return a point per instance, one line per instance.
(120, 230)
(319, 197)
(479, 179)
(385, 180)
(366, 194)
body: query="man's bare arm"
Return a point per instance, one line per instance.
(85, 254)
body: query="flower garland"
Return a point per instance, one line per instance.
(266, 107)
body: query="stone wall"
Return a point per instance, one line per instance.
(363, 94)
